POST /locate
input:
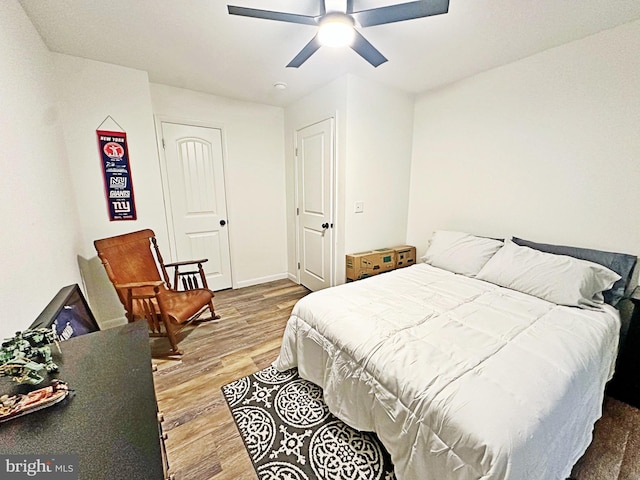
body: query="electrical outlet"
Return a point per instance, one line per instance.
(359, 207)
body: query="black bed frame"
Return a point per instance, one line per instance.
(625, 384)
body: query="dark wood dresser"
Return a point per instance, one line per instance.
(111, 422)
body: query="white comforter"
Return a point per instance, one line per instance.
(461, 379)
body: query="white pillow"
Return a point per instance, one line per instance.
(560, 279)
(460, 252)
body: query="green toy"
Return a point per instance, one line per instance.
(24, 356)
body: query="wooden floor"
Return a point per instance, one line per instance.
(203, 441)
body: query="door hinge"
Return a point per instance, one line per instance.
(298, 265)
(296, 151)
(297, 210)
(163, 145)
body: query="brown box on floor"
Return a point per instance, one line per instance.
(405, 255)
(369, 263)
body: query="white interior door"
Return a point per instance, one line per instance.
(315, 160)
(197, 202)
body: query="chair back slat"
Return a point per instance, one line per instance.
(129, 258)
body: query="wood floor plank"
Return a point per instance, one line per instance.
(203, 440)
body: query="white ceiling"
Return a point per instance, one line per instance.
(196, 44)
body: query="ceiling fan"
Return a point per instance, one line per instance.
(337, 24)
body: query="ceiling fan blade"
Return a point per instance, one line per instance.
(367, 51)
(308, 50)
(400, 12)
(270, 15)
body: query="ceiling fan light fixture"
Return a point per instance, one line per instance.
(337, 21)
(336, 30)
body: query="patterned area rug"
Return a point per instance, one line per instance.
(290, 434)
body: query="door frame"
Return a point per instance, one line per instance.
(166, 195)
(333, 195)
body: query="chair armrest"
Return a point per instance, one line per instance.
(155, 283)
(130, 297)
(187, 262)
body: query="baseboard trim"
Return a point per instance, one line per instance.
(113, 322)
(258, 281)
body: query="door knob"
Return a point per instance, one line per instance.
(223, 223)
(325, 225)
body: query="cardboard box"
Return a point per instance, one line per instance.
(369, 263)
(405, 255)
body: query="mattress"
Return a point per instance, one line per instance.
(460, 379)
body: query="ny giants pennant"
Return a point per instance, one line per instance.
(114, 156)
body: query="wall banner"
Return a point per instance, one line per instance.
(114, 156)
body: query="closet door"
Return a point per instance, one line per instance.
(197, 220)
(315, 190)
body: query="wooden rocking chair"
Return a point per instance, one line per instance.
(132, 268)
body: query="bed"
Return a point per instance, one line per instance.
(463, 366)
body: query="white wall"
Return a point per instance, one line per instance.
(373, 157)
(379, 129)
(39, 219)
(547, 148)
(89, 91)
(253, 138)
